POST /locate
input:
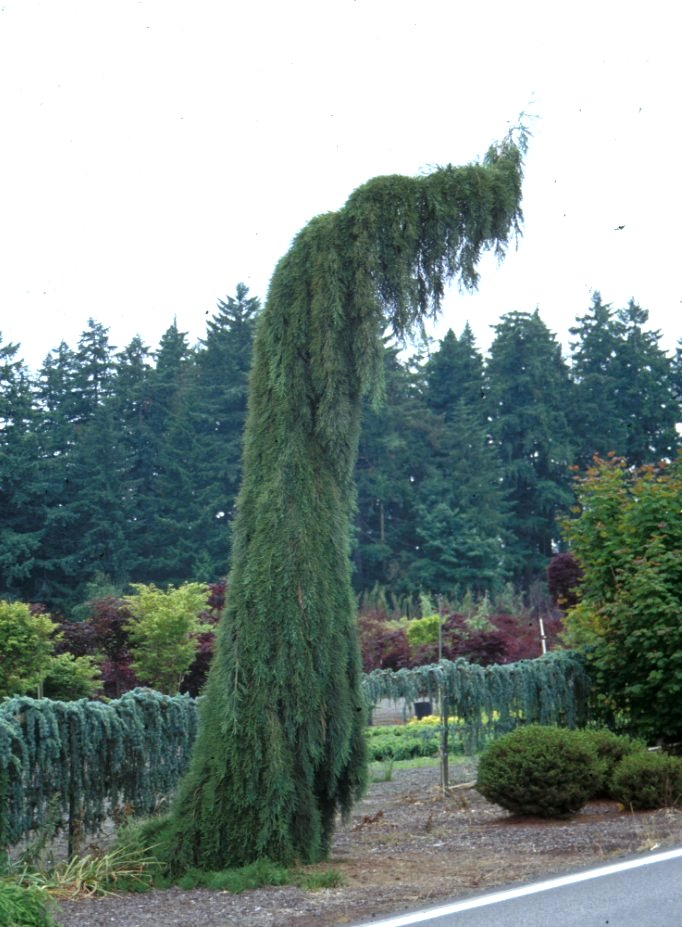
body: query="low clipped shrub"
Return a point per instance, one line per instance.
(544, 771)
(648, 780)
(402, 742)
(23, 907)
(611, 748)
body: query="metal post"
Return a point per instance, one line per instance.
(543, 639)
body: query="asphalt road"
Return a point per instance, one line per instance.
(645, 891)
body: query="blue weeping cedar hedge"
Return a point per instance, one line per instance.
(80, 762)
(76, 763)
(553, 689)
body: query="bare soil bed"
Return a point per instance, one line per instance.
(405, 846)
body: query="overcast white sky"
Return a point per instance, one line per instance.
(154, 153)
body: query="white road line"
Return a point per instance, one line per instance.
(421, 917)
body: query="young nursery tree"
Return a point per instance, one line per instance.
(164, 632)
(26, 648)
(280, 747)
(627, 539)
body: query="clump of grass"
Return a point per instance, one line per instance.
(262, 872)
(315, 881)
(122, 869)
(256, 875)
(383, 771)
(132, 866)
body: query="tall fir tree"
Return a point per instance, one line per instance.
(391, 463)
(280, 748)
(223, 364)
(94, 369)
(167, 548)
(57, 567)
(596, 423)
(98, 469)
(462, 509)
(645, 389)
(624, 398)
(677, 381)
(529, 395)
(130, 409)
(85, 520)
(454, 373)
(22, 485)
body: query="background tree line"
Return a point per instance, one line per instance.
(122, 465)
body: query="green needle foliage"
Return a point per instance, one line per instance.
(23, 907)
(280, 748)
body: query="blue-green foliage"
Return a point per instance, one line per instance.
(85, 760)
(88, 759)
(490, 700)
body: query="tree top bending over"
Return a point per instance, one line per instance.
(280, 748)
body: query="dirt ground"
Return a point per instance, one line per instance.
(405, 846)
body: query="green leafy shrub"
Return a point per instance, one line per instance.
(545, 771)
(23, 907)
(26, 647)
(422, 631)
(648, 780)
(611, 748)
(164, 632)
(401, 743)
(70, 677)
(626, 538)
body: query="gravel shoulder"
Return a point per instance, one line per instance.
(406, 845)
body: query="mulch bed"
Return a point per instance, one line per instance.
(406, 845)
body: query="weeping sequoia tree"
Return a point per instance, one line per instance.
(280, 748)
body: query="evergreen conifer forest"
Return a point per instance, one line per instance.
(123, 465)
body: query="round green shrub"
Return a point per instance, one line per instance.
(540, 770)
(611, 748)
(648, 780)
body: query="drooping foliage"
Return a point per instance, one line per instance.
(84, 761)
(280, 749)
(552, 689)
